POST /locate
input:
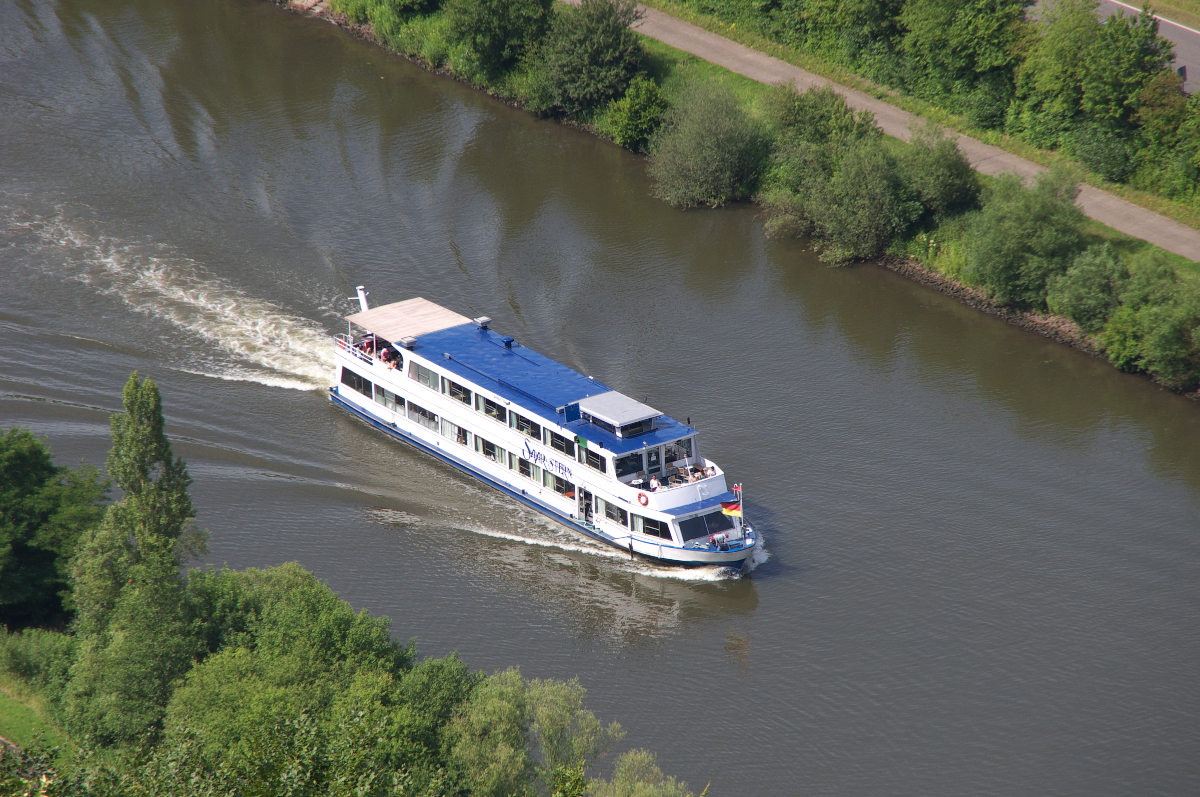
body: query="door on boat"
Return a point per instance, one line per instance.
(585, 505)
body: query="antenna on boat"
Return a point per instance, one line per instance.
(362, 298)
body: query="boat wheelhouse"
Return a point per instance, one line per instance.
(588, 456)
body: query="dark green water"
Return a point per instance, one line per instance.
(983, 570)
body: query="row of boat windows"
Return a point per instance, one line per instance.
(648, 462)
(573, 448)
(497, 454)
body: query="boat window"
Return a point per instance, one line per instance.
(529, 470)
(560, 443)
(388, 399)
(422, 416)
(456, 391)
(613, 512)
(680, 449)
(635, 429)
(558, 484)
(490, 450)
(593, 460)
(704, 525)
(525, 426)
(651, 527)
(423, 375)
(455, 433)
(628, 464)
(654, 460)
(492, 409)
(605, 425)
(359, 383)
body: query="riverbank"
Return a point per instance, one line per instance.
(1055, 327)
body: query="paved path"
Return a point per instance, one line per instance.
(1102, 206)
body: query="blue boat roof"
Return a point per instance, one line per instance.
(536, 385)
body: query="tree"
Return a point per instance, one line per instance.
(637, 775)
(134, 640)
(587, 60)
(155, 508)
(939, 174)
(633, 119)
(862, 208)
(964, 53)
(495, 34)
(1023, 237)
(1090, 289)
(43, 511)
(708, 151)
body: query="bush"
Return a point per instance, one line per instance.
(42, 658)
(634, 118)
(586, 60)
(1088, 293)
(494, 34)
(708, 151)
(938, 173)
(1023, 237)
(1103, 150)
(859, 211)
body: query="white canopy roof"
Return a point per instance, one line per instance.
(408, 319)
(617, 408)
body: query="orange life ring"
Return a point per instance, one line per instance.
(643, 499)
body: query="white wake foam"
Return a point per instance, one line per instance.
(266, 343)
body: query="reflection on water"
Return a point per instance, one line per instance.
(608, 596)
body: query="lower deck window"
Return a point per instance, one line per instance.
(652, 527)
(455, 433)
(422, 416)
(525, 468)
(491, 450)
(613, 512)
(559, 443)
(389, 399)
(356, 382)
(558, 484)
(703, 525)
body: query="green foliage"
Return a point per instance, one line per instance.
(125, 674)
(938, 173)
(43, 511)
(40, 657)
(1023, 237)
(864, 205)
(964, 54)
(708, 151)
(1090, 290)
(637, 775)
(1157, 327)
(488, 737)
(587, 60)
(633, 119)
(494, 34)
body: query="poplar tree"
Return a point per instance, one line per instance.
(134, 640)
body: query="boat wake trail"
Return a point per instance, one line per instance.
(247, 339)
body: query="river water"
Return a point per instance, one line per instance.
(981, 569)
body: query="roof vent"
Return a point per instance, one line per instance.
(482, 321)
(408, 341)
(508, 342)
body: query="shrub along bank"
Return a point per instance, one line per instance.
(825, 172)
(231, 684)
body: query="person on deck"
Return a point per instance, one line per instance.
(654, 483)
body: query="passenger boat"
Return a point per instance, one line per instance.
(599, 462)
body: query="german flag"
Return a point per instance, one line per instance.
(732, 508)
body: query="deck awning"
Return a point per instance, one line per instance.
(617, 408)
(408, 319)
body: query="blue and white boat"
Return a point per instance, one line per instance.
(600, 462)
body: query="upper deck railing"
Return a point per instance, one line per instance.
(346, 343)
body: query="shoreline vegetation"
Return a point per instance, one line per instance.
(820, 171)
(124, 675)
